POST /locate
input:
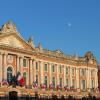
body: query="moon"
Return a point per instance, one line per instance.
(69, 24)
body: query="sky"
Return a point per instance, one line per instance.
(72, 26)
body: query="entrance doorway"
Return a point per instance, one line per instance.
(13, 95)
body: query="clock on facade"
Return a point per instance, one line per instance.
(10, 58)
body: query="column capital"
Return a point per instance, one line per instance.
(21, 56)
(5, 53)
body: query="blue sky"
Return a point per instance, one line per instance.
(73, 26)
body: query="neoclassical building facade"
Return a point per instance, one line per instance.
(44, 66)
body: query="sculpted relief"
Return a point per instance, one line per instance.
(11, 41)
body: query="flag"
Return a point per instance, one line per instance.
(20, 79)
(35, 85)
(51, 86)
(4, 82)
(66, 87)
(43, 86)
(58, 87)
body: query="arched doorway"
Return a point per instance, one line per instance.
(13, 95)
(9, 74)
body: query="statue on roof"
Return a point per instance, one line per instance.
(8, 27)
(40, 47)
(31, 42)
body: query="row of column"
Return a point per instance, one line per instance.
(3, 69)
(77, 76)
(31, 72)
(29, 78)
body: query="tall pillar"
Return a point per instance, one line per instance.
(21, 65)
(88, 78)
(96, 78)
(57, 67)
(77, 78)
(18, 67)
(28, 76)
(70, 76)
(41, 73)
(1, 67)
(50, 73)
(34, 69)
(64, 79)
(5, 66)
(31, 73)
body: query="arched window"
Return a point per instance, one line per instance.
(24, 75)
(9, 74)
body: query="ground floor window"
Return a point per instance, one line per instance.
(67, 82)
(92, 84)
(53, 81)
(9, 74)
(60, 82)
(37, 79)
(46, 81)
(83, 85)
(25, 75)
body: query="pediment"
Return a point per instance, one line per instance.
(14, 40)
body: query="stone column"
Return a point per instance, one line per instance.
(34, 69)
(28, 72)
(64, 78)
(41, 72)
(77, 78)
(18, 67)
(31, 73)
(1, 67)
(70, 76)
(88, 78)
(5, 66)
(50, 73)
(96, 78)
(57, 76)
(21, 65)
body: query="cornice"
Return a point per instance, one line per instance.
(19, 50)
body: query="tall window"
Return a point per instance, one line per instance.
(67, 70)
(45, 67)
(36, 65)
(24, 75)
(92, 83)
(73, 71)
(60, 69)
(37, 79)
(83, 72)
(46, 81)
(60, 82)
(67, 82)
(92, 73)
(24, 62)
(83, 85)
(73, 83)
(53, 81)
(9, 74)
(53, 68)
